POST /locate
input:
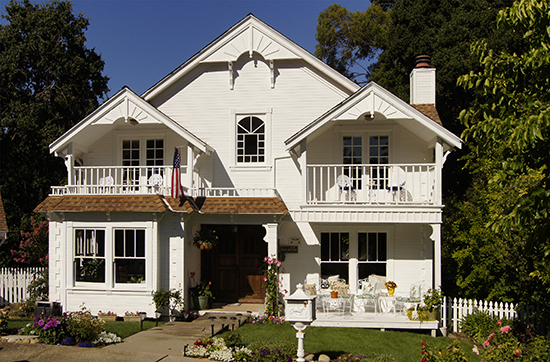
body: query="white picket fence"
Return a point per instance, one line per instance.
(14, 283)
(454, 310)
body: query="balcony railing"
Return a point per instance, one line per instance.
(122, 180)
(371, 184)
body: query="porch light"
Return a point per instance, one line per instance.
(239, 316)
(300, 311)
(233, 319)
(142, 316)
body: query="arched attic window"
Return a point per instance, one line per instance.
(250, 140)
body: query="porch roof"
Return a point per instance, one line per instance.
(232, 205)
(85, 203)
(159, 203)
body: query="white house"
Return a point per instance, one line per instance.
(283, 156)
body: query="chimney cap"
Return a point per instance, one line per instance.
(422, 61)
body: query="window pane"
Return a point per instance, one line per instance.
(251, 144)
(140, 243)
(100, 242)
(129, 270)
(325, 244)
(362, 244)
(347, 141)
(382, 242)
(119, 242)
(90, 270)
(129, 243)
(371, 247)
(135, 143)
(150, 143)
(79, 242)
(334, 247)
(344, 246)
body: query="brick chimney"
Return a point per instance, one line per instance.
(423, 81)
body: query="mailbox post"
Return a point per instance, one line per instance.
(300, 311)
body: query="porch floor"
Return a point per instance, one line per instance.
(372, 320)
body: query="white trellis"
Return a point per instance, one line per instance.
(14, 283)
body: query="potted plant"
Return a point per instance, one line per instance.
(205, 239)
(131, 316)
(429, 309)
(333, 291)
(202, 293)
(390, 285)
(161, 299)
(107, 316)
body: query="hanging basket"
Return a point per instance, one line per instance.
(205, 239)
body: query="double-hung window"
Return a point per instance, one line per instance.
(335, 254)
(129, 252)
(89, 255)
(379, 158)
(372, 253)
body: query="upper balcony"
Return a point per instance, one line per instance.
(395, 184)
(124, 180)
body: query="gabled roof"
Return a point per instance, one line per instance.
(124, 107)
(374, 101)
(248, 36)
(232, 205)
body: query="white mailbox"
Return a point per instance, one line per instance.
(300, 306)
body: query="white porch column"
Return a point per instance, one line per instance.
(303, 166)
(271, 239)
(69, 163)
(190, 167)
(438, 167)
(436, 238)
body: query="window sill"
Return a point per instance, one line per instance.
(241, 168)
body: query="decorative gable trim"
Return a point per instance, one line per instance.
(365, 104)
(248, 36)
(128, 106)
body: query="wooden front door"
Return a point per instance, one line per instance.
(235, 264)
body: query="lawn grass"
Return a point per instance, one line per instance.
(334, 342)
(120, 328)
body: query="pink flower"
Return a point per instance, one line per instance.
(517, 352)
(491, 336)
(486, 343)
(265, 279)
(278, 263)
(499, 323)
(475, 350)
(505, 329)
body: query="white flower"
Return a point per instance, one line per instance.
(222, 354)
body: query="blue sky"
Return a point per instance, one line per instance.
(141, 41)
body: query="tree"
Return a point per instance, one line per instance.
(49, 80)
(509, 130)
(346, 39)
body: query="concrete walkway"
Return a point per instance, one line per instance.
(163, 343)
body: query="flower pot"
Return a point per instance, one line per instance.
(391, 291)
(203, 302)
(334, 294)
(432, 316)
(131, 318)
(108, 318)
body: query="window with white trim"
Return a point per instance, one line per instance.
(250, 140)
(89, 255)
(129, 252)
(372, 253)
(335, 254)
(379, 154)
(352, 159)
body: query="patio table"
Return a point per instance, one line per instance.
(337, 305)
(386, 304)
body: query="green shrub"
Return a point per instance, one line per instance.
(83, 326)
(273, 351)
(4, 316)
(479, 325)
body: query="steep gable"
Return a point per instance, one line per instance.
(249, 36)
(124, 107)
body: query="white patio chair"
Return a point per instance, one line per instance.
(366, 295)
(414, 298)
(346, 188)
(397, 181)
(106, 184)
(155, 181)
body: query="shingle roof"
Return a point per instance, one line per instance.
(84, 203)
(233, 205)
(155, 203)
(429, 111)
(3, 222)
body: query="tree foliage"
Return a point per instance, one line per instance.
(346, 38)
(509, 130)
(49, 80)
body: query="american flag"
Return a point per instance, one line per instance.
(177, 188)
